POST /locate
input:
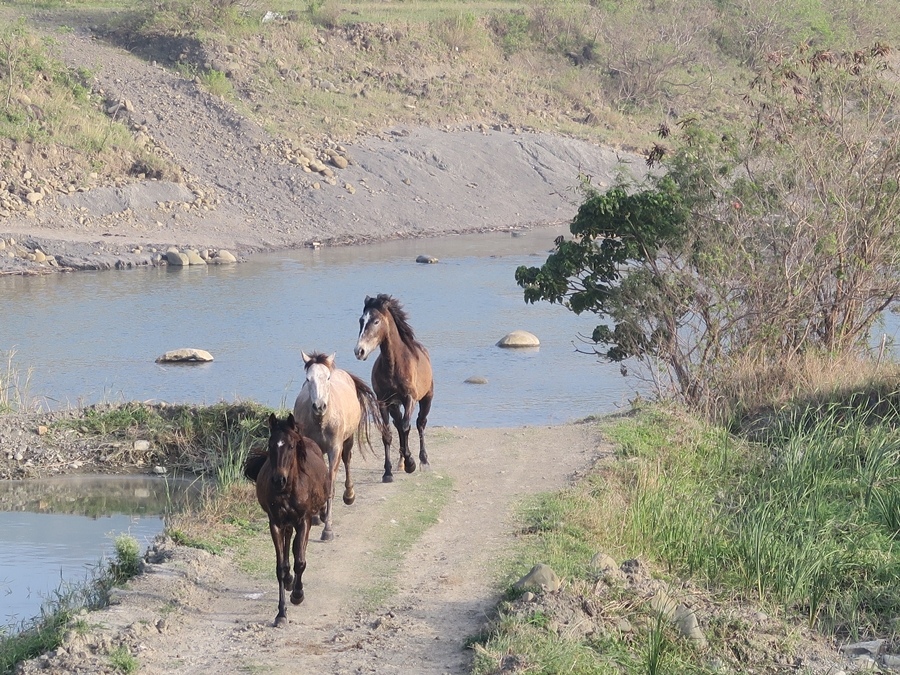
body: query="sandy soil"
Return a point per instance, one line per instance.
(195, 612)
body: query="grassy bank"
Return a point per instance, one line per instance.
(803, 528)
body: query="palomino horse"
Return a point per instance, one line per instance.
(333, 406)
(401, 375)
(291, 485)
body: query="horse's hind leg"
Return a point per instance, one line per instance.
(349, 492)
(388, 476)
(421, 421)
(300, 542)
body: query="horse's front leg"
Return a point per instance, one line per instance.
(421, 421)
(281, 537)
(388, 476)
(333, 459)
(409, 464)
(300, 542)
(349, 492)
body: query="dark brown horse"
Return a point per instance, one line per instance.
(401, 375)
(291, 486)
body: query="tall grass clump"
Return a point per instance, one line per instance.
(804, 522)
(210, 440)
(13, 386)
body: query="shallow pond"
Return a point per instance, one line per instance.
(55, 532)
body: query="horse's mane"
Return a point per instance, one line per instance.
(314, 358)
(386, 303)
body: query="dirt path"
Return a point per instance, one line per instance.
(198, 613)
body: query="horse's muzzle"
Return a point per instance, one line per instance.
(360, 353)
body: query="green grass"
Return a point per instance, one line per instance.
(406, 516)
(805, 528)
(45, 103)
(123, 661)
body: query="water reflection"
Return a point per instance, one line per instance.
(55, 532)
(95, 496)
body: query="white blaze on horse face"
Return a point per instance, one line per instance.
(317, 377)
(363, 344)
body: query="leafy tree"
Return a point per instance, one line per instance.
(773, 238)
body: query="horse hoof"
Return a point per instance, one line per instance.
(387, 478)
(280, 621)
(327, 535)
(296, 599)
(409, 466)
(349, 497)
(316, 520)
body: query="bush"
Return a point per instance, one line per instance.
(771, 239)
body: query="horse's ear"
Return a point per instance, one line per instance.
(290, 421)
(272, 420)
(306, 357)
(367, 300)
(330, 360)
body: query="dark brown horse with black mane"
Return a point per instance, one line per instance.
(291, 486)
(401, 375)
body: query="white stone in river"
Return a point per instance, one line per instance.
(519, 338)
(187, 355)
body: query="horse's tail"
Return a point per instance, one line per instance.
(254, 463)
(371, 412)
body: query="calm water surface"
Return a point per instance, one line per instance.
(91, 337)
(55, 532)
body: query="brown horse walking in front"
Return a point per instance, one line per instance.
(291, 485)
(401, 375)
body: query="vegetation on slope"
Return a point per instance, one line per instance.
(611, 72)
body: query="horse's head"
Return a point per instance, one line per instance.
(318, 374)
(373, 326)
(284, 436)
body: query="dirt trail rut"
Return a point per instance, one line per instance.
(198, 612)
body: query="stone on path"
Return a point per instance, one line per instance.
(542, 577)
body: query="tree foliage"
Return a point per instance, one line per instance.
(772, 238)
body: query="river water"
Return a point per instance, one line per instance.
(92, 337)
